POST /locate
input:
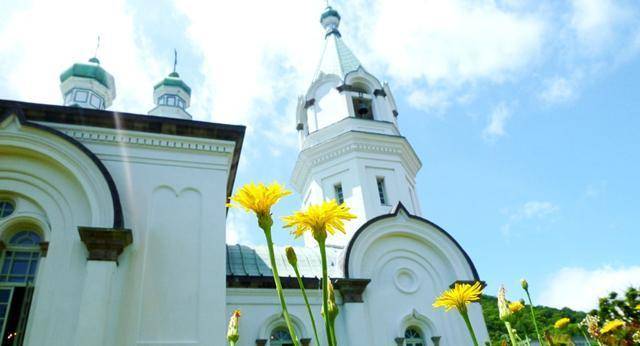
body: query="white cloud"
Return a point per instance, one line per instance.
(595, 21)
(579, 288)
(452, 41)
(497, 122)
(557, 90)
(238, 227)
(535, 211)
(41, 39)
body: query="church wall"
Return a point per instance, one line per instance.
(358, 172)
(261, 314)
(55, 188)
(410, 263)
(169, 286)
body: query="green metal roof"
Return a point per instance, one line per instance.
(173, 79)
(90, 69)
(243, 260)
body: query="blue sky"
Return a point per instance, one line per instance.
(525, 113)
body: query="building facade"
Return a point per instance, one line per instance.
(112, 225)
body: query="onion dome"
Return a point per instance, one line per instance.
(172, 96)
(330, 20)
(87, 85)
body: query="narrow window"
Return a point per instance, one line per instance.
(413, 337)
(337, 189)
(382, 191)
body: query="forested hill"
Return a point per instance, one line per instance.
(545, 316)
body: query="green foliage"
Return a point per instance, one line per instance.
(522, 322)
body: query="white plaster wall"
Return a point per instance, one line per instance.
(260, 310)
(357, 172)
(169, 286)
(410, 263)
(61, 188)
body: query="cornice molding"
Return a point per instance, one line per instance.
(350, 142)
(140, 139)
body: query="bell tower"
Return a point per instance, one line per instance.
(351, 148)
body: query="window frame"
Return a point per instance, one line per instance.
(381, 188)
(338, 193)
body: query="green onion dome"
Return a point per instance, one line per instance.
(91, 69)
(173, 79)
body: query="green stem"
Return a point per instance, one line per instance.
(325, 292)
(276, 278)
(465, 317)
(333, 333)
(533, 317)
(232, 343)
(511, 335)
(306, 301)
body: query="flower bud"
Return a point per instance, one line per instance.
(291, 256)
(503, 307)
(332, 307)
(525, 284)
(232, 331)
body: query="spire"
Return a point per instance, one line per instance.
(88, 84)
(336, 58)
(172, 95)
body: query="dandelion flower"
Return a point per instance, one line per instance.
(516, 306)
(459, 297)
(611, 326)
(561, 323)
(638, 307)
(320, 219)
(258, 198)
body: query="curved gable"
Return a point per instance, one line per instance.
(118, 219)
(401, 208)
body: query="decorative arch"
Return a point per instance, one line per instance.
(22, 136)
(276, 321)
(362, 77)
(416, 319)
(444, 236)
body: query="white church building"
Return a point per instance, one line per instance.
(112, 225)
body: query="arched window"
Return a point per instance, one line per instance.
(413, 337)
(280, 337)
(19, 264)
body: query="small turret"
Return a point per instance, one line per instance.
(87, 85)
(172, 96)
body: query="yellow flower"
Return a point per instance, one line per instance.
(232, 331)
(320, 219)
(561, 323)
(611, 326)
(258, 198)
(638, 307)
(516, 306)
(459, 297)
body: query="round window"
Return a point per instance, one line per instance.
(6, 208)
